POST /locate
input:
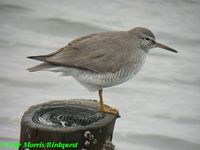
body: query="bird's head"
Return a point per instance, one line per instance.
(146, 40)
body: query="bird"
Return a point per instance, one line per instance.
(102, 60)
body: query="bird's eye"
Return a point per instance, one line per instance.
(147, 38)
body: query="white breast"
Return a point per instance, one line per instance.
(95, 81)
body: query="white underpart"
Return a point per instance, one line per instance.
(96, 81)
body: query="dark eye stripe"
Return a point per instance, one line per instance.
(147, 38)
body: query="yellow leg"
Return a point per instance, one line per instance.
(102, 107)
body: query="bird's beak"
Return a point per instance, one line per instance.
(164, 47)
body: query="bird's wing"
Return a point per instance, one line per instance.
(105, 52)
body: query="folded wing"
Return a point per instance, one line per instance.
(102, 52)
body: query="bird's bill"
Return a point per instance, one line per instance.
(165, 47)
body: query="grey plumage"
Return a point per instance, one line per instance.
(92, 52)
(102, 59)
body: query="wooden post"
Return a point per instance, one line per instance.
(69, 124)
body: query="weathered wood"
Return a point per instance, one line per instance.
(76, 122)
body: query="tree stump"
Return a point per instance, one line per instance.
(68, 124)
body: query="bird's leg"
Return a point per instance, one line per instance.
(101, 104)
(102, 107)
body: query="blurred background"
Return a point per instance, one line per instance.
(159, 108)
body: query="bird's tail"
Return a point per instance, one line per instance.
(41, 66)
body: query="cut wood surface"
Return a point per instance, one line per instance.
(67, 124)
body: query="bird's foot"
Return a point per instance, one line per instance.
(109, 110)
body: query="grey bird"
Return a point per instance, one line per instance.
(102, 60)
